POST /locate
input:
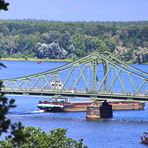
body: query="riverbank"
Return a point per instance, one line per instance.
(49, 60)
(36, 60)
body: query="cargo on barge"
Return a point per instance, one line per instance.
(126, 105)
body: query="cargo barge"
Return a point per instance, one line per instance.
(64, 105)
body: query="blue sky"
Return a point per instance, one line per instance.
(77, 10)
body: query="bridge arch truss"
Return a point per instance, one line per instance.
(93, 75)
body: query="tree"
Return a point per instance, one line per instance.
(36, 138)
(4, 108)
(3, 5)
(140, 55)
(122, 53)
(52, 51)
(50, 37)
(4, 104)
(18, 38)
(65, 40)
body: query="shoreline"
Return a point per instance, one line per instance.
(36, 60)
(52, 60)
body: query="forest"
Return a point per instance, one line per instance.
(43, 39)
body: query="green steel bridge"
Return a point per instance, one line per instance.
(96, 75)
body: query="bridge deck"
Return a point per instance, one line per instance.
(35, 92)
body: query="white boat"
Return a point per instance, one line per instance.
(43, 106)
(53, 104)
(60, 104)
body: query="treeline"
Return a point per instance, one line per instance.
(59, 40)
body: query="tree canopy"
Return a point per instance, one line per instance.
(31, 137)
(60, 40)
(3, 5)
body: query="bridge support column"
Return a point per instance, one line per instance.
(93, 113)
(96, 111)
(106, 110)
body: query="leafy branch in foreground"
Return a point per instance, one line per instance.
(32, 137)
(3, 5)
(4, 108)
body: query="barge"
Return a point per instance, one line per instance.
(64, 105)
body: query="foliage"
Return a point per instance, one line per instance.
(4, 108)
(51, 51)
(60, 40)
(4, 122)
(3, 5)
(31, 137)
(141, 55)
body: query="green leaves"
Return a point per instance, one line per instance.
(4, 107)
(59, 40)
(31, 137)
(5, 104)
(3, 5)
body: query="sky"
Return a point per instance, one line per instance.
(77, 10)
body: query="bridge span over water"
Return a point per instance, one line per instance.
(95, 75)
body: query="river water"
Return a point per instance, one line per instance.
(122, 131)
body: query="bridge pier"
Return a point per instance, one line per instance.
(106, 110)
(98, 111)
(93, 113)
